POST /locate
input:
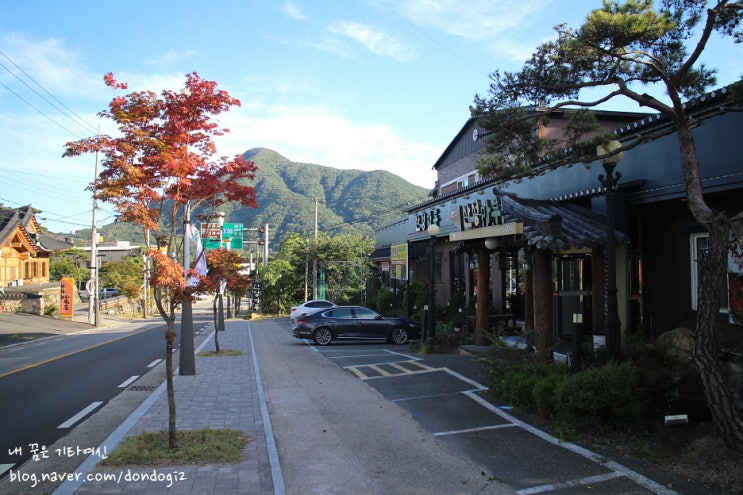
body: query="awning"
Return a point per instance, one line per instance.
(554, 226)
(380, 254)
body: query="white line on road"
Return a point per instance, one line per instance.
(473, 430)
(154, 363)
(129, 381)
(77, 417)
(4, 468)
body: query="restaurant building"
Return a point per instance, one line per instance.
(535, 250)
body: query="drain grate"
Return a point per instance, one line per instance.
(143, 388)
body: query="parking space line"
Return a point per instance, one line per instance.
(382, 373)
(590, 480)
(379, 370)
(613, 466)
(473, 430)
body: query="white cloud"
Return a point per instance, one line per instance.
(313, 134)
(293, 12)
(480, 21)
(375, 40)
(170, 57)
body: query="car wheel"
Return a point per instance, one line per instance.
(322, 336)
(399, 335)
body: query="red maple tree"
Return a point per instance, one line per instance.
(162, 163)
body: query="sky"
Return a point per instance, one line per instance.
(351, 84)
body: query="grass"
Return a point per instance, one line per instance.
(197, 447)
(222, 352)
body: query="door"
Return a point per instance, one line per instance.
(573, 294)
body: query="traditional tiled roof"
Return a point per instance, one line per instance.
(553, 226)
(23, 217)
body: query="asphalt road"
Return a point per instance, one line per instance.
(54, 374)
(50, 398)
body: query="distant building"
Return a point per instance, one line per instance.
(114, 250)
(25, 248)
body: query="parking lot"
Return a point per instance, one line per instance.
(448, 397)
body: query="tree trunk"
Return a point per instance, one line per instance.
(169, 317)
(728, 418)
(172, 433)
(712, 270)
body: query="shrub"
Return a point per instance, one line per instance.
(51, 309)
(544, 392)
(598, 398)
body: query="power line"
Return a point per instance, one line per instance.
(77, 119)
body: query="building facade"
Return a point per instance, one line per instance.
(536, 249)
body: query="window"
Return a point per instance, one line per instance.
(365, 314)
(699, 250)
(340, 313)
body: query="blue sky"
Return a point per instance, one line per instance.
(352, 84)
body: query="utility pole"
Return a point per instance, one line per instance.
(93, 309)
(265, 245)
(314, 262)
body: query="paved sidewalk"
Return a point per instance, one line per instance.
(224, 393)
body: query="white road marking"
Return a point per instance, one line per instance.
(154, 363)
(473, 430)
(4, 468)
(77, 417)
(129, 381)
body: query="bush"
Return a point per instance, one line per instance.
(598, 398)
(51, 309)
(544, 392)
(517, 385)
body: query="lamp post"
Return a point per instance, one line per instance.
(220, 309)
(433, 230)
(186, 359)
(609, 182)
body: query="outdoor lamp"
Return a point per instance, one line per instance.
(609, 182)
(432, 230)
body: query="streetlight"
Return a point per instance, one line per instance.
(609, 182)
(220, 302)
(186, 359)
(432, 230)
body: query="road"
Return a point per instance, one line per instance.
(54, 383)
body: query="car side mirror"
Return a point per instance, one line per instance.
(379, 317)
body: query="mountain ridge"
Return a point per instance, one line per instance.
(349, 201)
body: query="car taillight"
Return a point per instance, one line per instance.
(301, 322)
(293, 310)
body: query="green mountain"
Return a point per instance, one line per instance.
(349, 201)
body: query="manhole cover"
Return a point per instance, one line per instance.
(143, 388)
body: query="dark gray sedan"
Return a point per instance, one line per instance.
(353, 322)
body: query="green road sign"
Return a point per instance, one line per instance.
(232, 236)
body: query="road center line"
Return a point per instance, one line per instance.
(55, 358)
(77, 417)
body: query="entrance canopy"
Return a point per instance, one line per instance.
(554, 226)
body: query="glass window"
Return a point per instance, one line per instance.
(340, 313)
(699, 250)
(365, 314)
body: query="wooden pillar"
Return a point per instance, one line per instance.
(542, 300)
(598, 293)
(483, 294)
(529, 296)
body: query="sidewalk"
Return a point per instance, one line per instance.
(223, 394)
